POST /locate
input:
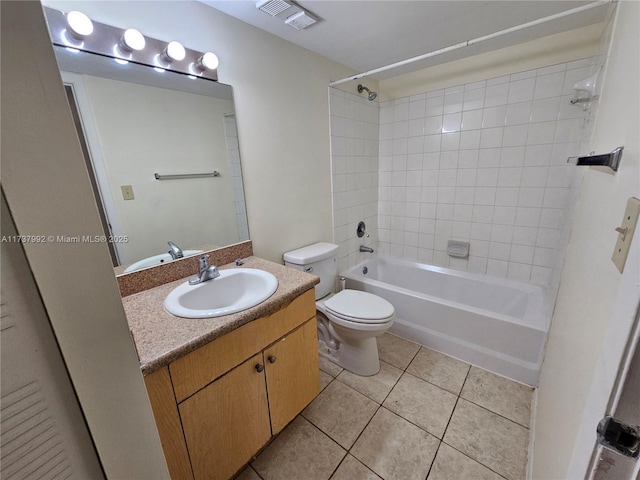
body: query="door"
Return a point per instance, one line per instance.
(43, 431)
(624, 408)
(227, 422)
(293, 378)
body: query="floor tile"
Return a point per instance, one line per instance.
(300, 447)
(395, 350)
(439, 369)
(394, 448)
(329, 367)
(325, 379)
(450, 464)
(377, 386)
(490, 439)
(341, 412)
(352, 469)
(422, 403)
(248, 474)
(498, 394)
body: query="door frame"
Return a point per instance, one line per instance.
(100, 173)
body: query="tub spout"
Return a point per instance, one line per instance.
(365, 249)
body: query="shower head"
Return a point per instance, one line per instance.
(372, 95)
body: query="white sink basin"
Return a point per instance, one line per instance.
(156, 260)
(233, 291)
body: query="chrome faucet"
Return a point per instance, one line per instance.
(365, 249)
(175, 251)
(205, 271)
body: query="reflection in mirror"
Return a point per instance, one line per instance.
(138, 124)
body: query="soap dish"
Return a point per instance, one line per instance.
(457, 249)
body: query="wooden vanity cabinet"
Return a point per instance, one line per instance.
(217, 406)
(227, 422)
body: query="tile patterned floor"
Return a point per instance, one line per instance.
(423, 416)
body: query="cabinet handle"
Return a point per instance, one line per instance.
(259, 367)
(271, 358)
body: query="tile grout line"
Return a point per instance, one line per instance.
(448, 422)
(495, 413)
(372, 416)
(476, 461)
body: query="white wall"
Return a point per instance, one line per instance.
(144, 130)
(281, 99)
(233, 155)
(588, 301)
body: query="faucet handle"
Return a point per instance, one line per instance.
(203, 262)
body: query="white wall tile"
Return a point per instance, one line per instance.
(482, 162)
(515, 135)
(542, 132)
(491, 137)
(494, 116)
(434, 106)
(496, 95)
(549, 85)
(546, 109)
(472, 119)
(489, 157)
(497, 268)
(519, 271)
(453, 102)
(473, 99)
(486, 177)
(521, 90)
(470, 140)
(451, 122)
(518, 113)
(450, 141)
(534, 176)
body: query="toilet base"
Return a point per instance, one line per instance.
(360, 358)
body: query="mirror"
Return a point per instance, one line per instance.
(163, 150)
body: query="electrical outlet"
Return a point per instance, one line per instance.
(127, 192)
(625, 233)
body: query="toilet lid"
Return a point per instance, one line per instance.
(360, 306)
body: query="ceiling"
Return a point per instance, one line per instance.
(365, 34)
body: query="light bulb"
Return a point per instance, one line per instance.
(175, 51)
(208, 61)
(132, 39)
(79, 23)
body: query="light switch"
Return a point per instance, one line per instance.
(625, 233)
(127, 192)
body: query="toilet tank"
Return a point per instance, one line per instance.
(318, 259)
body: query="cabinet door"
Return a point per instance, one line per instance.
(227, 422)
(293, 377)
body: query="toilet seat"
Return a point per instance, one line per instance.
(360, 307)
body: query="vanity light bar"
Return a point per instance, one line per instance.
(74, 30)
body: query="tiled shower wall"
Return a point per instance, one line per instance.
(233, 155)
(484, 163)
(354, 166)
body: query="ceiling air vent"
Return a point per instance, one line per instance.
(300, 20)
(273, 7)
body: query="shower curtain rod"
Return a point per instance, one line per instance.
(466, 43)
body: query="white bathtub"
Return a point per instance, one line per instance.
(497, 324)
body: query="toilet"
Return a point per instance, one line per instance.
(348, 321)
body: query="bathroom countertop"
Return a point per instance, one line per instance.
(161, 337)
